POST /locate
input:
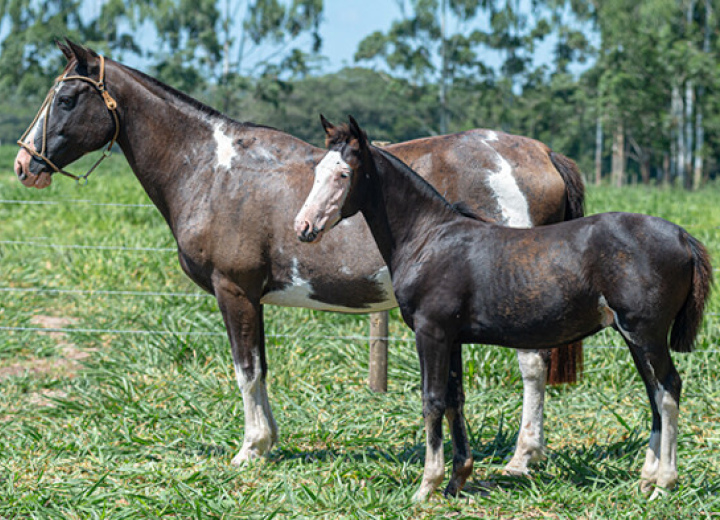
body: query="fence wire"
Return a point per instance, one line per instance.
(77, 330)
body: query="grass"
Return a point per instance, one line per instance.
(113, 425)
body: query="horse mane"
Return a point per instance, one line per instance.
(459, 207)
(462, 207)
(189, 100)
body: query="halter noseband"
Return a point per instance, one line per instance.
(111, 105)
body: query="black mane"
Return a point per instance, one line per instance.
(189, 100)
(459, 207)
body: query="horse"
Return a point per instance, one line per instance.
(459, 279)
(224, 188)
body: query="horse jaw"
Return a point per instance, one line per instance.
(28, 179)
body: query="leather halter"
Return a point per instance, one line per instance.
(111, 105)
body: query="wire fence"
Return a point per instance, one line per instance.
(151, 294)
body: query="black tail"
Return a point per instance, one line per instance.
(688, 320)
(574, 185)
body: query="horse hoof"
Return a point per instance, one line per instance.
(515, 471)
(658, 493)
(245, 456)
(647, 487)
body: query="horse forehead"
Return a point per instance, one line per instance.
(332, 162)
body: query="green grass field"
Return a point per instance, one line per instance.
(102, 424)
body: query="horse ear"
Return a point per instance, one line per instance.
(327, 125)
(357, 132)
(67, 51)
(85, 57)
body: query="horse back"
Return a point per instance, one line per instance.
(504, 178)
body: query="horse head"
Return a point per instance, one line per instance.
(77, 117)
(335, 194)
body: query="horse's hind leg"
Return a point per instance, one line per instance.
(663, 386)
(243, 320)
(530, 443)
(462, 455)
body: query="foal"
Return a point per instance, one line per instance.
(460, 280)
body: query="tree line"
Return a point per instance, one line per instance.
(624, 87)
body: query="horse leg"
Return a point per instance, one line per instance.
(244, 323)
(648, 475)
(663, 386)
(530, 443)
(434, 358)
(462, 454)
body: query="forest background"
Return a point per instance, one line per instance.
(626, 88)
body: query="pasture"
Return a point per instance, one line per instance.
(136, 413)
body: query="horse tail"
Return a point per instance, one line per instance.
(688, 320)
(566, 363)
(574, 185)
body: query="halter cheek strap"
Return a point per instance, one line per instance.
(111, 105)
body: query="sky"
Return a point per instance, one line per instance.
(347, 22)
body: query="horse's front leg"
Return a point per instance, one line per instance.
(243, 319)
(462, 454)
(434, 354)
(530, 443)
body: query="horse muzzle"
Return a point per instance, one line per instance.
(25, 176)
(308, 233)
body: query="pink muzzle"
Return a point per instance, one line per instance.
(22, 170)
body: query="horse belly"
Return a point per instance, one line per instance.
(339, 292)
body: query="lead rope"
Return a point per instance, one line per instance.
(111, 105)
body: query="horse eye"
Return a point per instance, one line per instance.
(65, 101)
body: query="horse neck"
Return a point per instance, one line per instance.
(159, 134)
(401, 208)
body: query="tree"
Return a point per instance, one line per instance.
(430, 55)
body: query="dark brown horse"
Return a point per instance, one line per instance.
(458, 280)
(226, 190)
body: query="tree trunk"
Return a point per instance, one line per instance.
(678, 121)
(443, 70)
(598, 150)
(699, 128)
(666, 169)
(645, 170)
(618, 156)
(689, 98)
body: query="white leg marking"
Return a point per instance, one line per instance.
(648, 475)
(434, 471)
(225, 149)
(530, 443)
(260, 427)
(667, 474)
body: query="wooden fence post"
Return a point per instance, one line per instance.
(378, 376)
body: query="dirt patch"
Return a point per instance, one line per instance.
(66, 364)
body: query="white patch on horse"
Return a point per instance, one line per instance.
(299, 292)
(512, 201)
(259, 422)
(225, 149)
(491, 136)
